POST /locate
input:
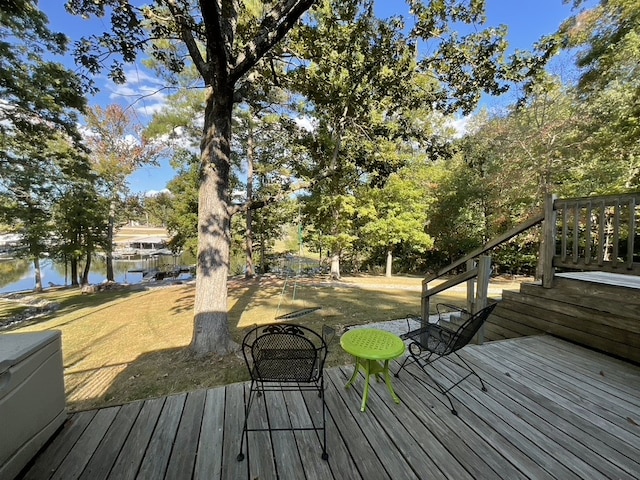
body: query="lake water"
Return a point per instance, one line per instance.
(18, 275)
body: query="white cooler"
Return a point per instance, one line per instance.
(32, 399)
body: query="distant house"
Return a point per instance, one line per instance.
(9, 243)
(143, 246)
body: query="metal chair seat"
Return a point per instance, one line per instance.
(435, 341)
(285, 365)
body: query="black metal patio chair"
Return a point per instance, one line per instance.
(285, 357)
(435, 341)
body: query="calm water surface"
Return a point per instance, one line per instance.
(18, 274)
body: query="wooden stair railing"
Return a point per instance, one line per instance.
(482, 271)
(594, 233)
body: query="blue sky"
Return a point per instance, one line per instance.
(527, 21)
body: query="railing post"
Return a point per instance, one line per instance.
(471, 287)
(482, 294)
(548, 247)
(424, 304)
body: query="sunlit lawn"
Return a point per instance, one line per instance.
(128, 345)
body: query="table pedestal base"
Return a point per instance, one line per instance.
(372, 367)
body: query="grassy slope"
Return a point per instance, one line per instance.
(126, 345)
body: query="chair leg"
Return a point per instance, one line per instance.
(403, 364)
(423, 365)
(325, 455)
(245, 433)
(472, 371)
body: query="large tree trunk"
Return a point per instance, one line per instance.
(211, 331)
(74, 272)
(387, 272)
(87, 269)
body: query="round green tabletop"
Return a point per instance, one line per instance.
(372, 344)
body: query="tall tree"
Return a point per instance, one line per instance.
(26, 200)
(395, 215)
(117, 148)
(357, 75)
(607, 37)
(40, 103)
(40, 97)
(224, 46)
(208, 33)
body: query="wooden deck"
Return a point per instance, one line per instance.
(553, 410)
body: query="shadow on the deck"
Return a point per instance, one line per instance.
(553, 410)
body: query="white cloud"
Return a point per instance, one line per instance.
(135, 76)
(120, 91)
(141, 91)
(85, 131)
(151, 109)
(130, 141)
(153, 193)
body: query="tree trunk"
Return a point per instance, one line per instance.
(250, 271)
(263, 255)
(109, 247)
(87, 269)
(38, 274)
(74, 272)
(211, 331)
(387, 272)
(335, 266)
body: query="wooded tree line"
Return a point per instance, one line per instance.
(342, 123)
(409, 187)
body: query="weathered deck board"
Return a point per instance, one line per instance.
(209, 466)
(64, 442)
(105, 455)
(553, 410)
(599, 411)
(600, 449)
(522, 416)
(78, 458)
(183, 459)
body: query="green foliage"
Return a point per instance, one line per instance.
(157, 208)
(81, 218)
(608, 92)
(358, 78)
(453, 219)
(43, 95)
(395, 214)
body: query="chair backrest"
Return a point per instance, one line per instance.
(284, 353)
(469, 328)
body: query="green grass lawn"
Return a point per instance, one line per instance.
(120, 346)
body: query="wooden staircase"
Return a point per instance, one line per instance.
(594, 309)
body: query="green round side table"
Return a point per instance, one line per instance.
(370, 347)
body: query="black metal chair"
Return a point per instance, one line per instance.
(285, 357)
(435, 341)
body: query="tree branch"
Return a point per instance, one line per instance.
(257, 204)
(274, 27)
(220, 18)
(180, 17)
